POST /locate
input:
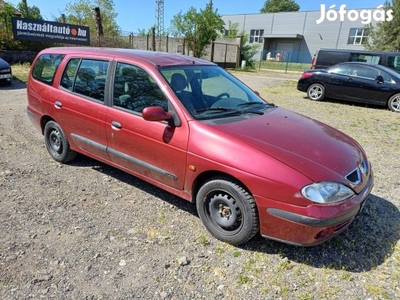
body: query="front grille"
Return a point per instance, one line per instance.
(356, 175)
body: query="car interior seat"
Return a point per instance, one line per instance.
(179, 84)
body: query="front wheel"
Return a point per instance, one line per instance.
(316, 92)
(394, 103)
(57, 144)
(227, 210)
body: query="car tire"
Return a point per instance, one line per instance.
(394, 103)
(57, 144)
(316, 92)
(227, 210)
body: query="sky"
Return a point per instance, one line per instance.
(134, 15)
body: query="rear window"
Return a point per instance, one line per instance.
(46, 67)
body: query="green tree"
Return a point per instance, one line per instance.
(247, 51)
(385, 36)
(199, 29)
(273, 6)
(232, 31)
(29, 12)
(7, 42)
(82, 13)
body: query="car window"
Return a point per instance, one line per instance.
(86, 77)
(364, 57)
(364, 72)
(46, 67)
(340, 69)
(219, 85)
(135, 89)
(393, 62)
(386, 77)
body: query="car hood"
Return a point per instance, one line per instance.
(307, 145)
(4, 64)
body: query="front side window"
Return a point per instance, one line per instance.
(135, 89)
(86, 77)
(357, 36)
(209, 92)
(363, 72)
(46, 67)
(256, 36)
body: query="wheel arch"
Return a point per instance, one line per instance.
(44, 120)
(207, 175)
(390, 97)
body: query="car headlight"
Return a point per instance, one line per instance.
(326, 192)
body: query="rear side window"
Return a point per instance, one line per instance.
(86, 77)
(367, 58)
(329, 58)
(46, 67)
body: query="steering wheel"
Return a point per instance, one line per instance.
(223, 95)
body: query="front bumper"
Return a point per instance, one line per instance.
(311, 225)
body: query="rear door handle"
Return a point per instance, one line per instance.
(116, 124)
(58, 104)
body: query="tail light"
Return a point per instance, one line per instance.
(306, 75)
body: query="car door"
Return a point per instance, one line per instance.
(361, 85)
(80, 105)
(153, 150)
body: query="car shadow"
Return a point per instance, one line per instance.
(366, 244)
(15, 85)
(351, 103)
(85, 161)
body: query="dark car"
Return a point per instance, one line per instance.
(191, 128)
(5, 72)
(351, 81)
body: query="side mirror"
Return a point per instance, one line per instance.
(155, 113)
(379, 79)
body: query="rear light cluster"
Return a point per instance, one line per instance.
(306, 75)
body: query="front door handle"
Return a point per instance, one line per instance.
(116, 124)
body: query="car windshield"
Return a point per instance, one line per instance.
(211, 92)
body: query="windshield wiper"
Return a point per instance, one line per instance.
(255, 103)
(219, 109)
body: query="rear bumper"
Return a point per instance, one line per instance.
(302, 87)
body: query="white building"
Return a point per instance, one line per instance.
(298, 35)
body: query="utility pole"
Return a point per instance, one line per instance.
(160, 17)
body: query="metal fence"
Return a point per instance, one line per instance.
(284, 60)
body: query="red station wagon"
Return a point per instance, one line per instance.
(191, 128)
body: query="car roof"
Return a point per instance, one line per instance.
(160, 59)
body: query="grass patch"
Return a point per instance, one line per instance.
(21, 71)
(284, 66)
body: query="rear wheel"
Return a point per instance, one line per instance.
(394, 103)
(316, 92)
(227, 210)
(56, 143)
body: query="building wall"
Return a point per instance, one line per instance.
(280, 29)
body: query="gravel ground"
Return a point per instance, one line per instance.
(88, 231)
